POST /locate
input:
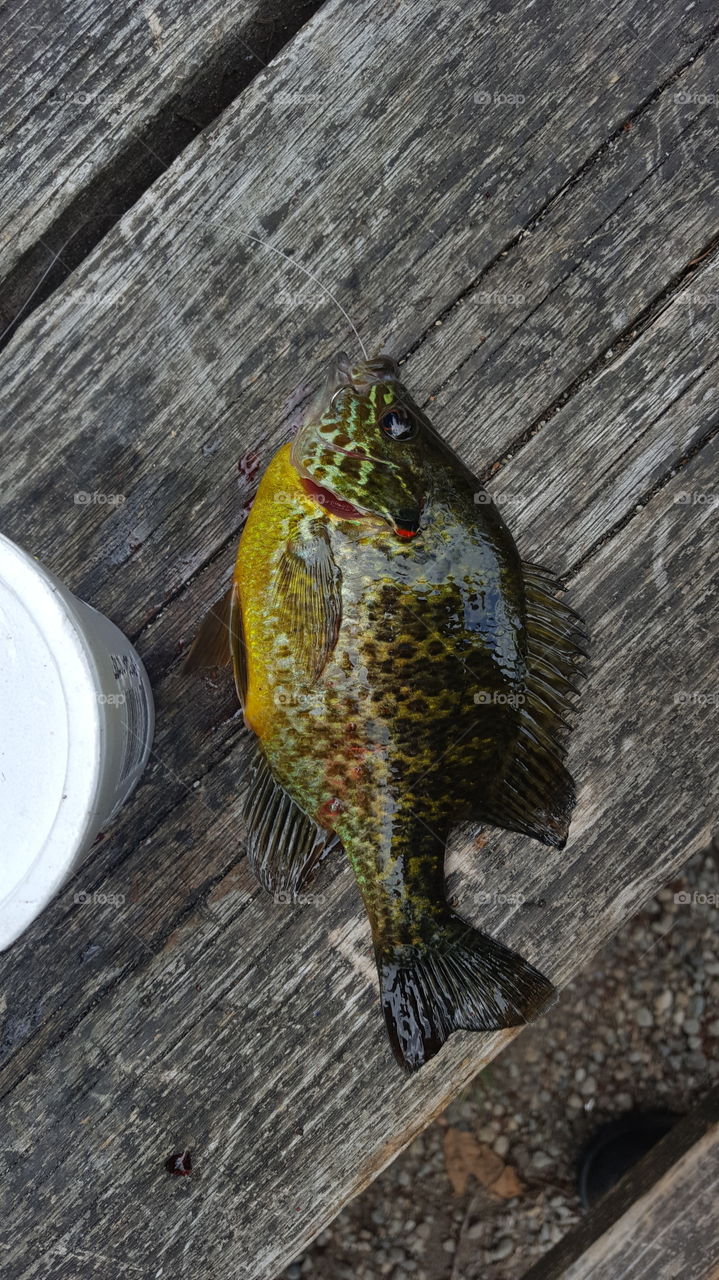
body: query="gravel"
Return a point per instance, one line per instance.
(638, 1028)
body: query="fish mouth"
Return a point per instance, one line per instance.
(330, 502)
(405, 525)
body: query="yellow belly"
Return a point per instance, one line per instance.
(280, 496)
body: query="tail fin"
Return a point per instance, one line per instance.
(458, 979)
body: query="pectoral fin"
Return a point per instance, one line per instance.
(536, 793)
(220, 642)
(284, 845)
(308, 595)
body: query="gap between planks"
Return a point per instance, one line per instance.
(117, 186)
(73, 251)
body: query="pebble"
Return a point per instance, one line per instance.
(487, 1132)
(691, 1027)
(644, 1018)
(541, 1160)
(501, 1146)
(502, 1249)
(696, 1061)
(663, 1001)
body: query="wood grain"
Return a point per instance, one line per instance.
(242, 1037)
(96, 100)
(198, 1013)
(556, 515)
(212, 333)
(660, 1220)
(672, 1231)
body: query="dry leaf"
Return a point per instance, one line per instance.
(507, 1184)
(465, 1157)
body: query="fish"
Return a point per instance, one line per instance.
(402, 670)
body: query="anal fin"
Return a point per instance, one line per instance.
(284, 845)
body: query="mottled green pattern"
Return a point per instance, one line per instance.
(405, 730)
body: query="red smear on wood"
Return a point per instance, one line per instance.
(179, 1165)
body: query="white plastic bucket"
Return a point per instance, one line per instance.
(76, 726)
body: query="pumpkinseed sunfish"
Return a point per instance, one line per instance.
(403, 670)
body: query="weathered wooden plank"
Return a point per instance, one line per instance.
(158, 1019)
(96, 100)
(198, 315)
(603, 253)
(660, 1220)
(563, 493)
(237, 1042)
(672, 1231)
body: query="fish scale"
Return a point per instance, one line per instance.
(403, 671)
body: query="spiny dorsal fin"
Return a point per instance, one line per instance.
(284, 845)
(308, 594)
(220, 642)
(536, 795)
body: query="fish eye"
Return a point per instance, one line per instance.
(397, 426)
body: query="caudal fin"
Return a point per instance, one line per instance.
(458, 979)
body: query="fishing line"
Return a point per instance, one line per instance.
(56, 257)
(311, 276)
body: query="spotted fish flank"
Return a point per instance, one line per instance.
(403, 670)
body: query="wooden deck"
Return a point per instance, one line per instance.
(520, 202)
(660, 1221)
